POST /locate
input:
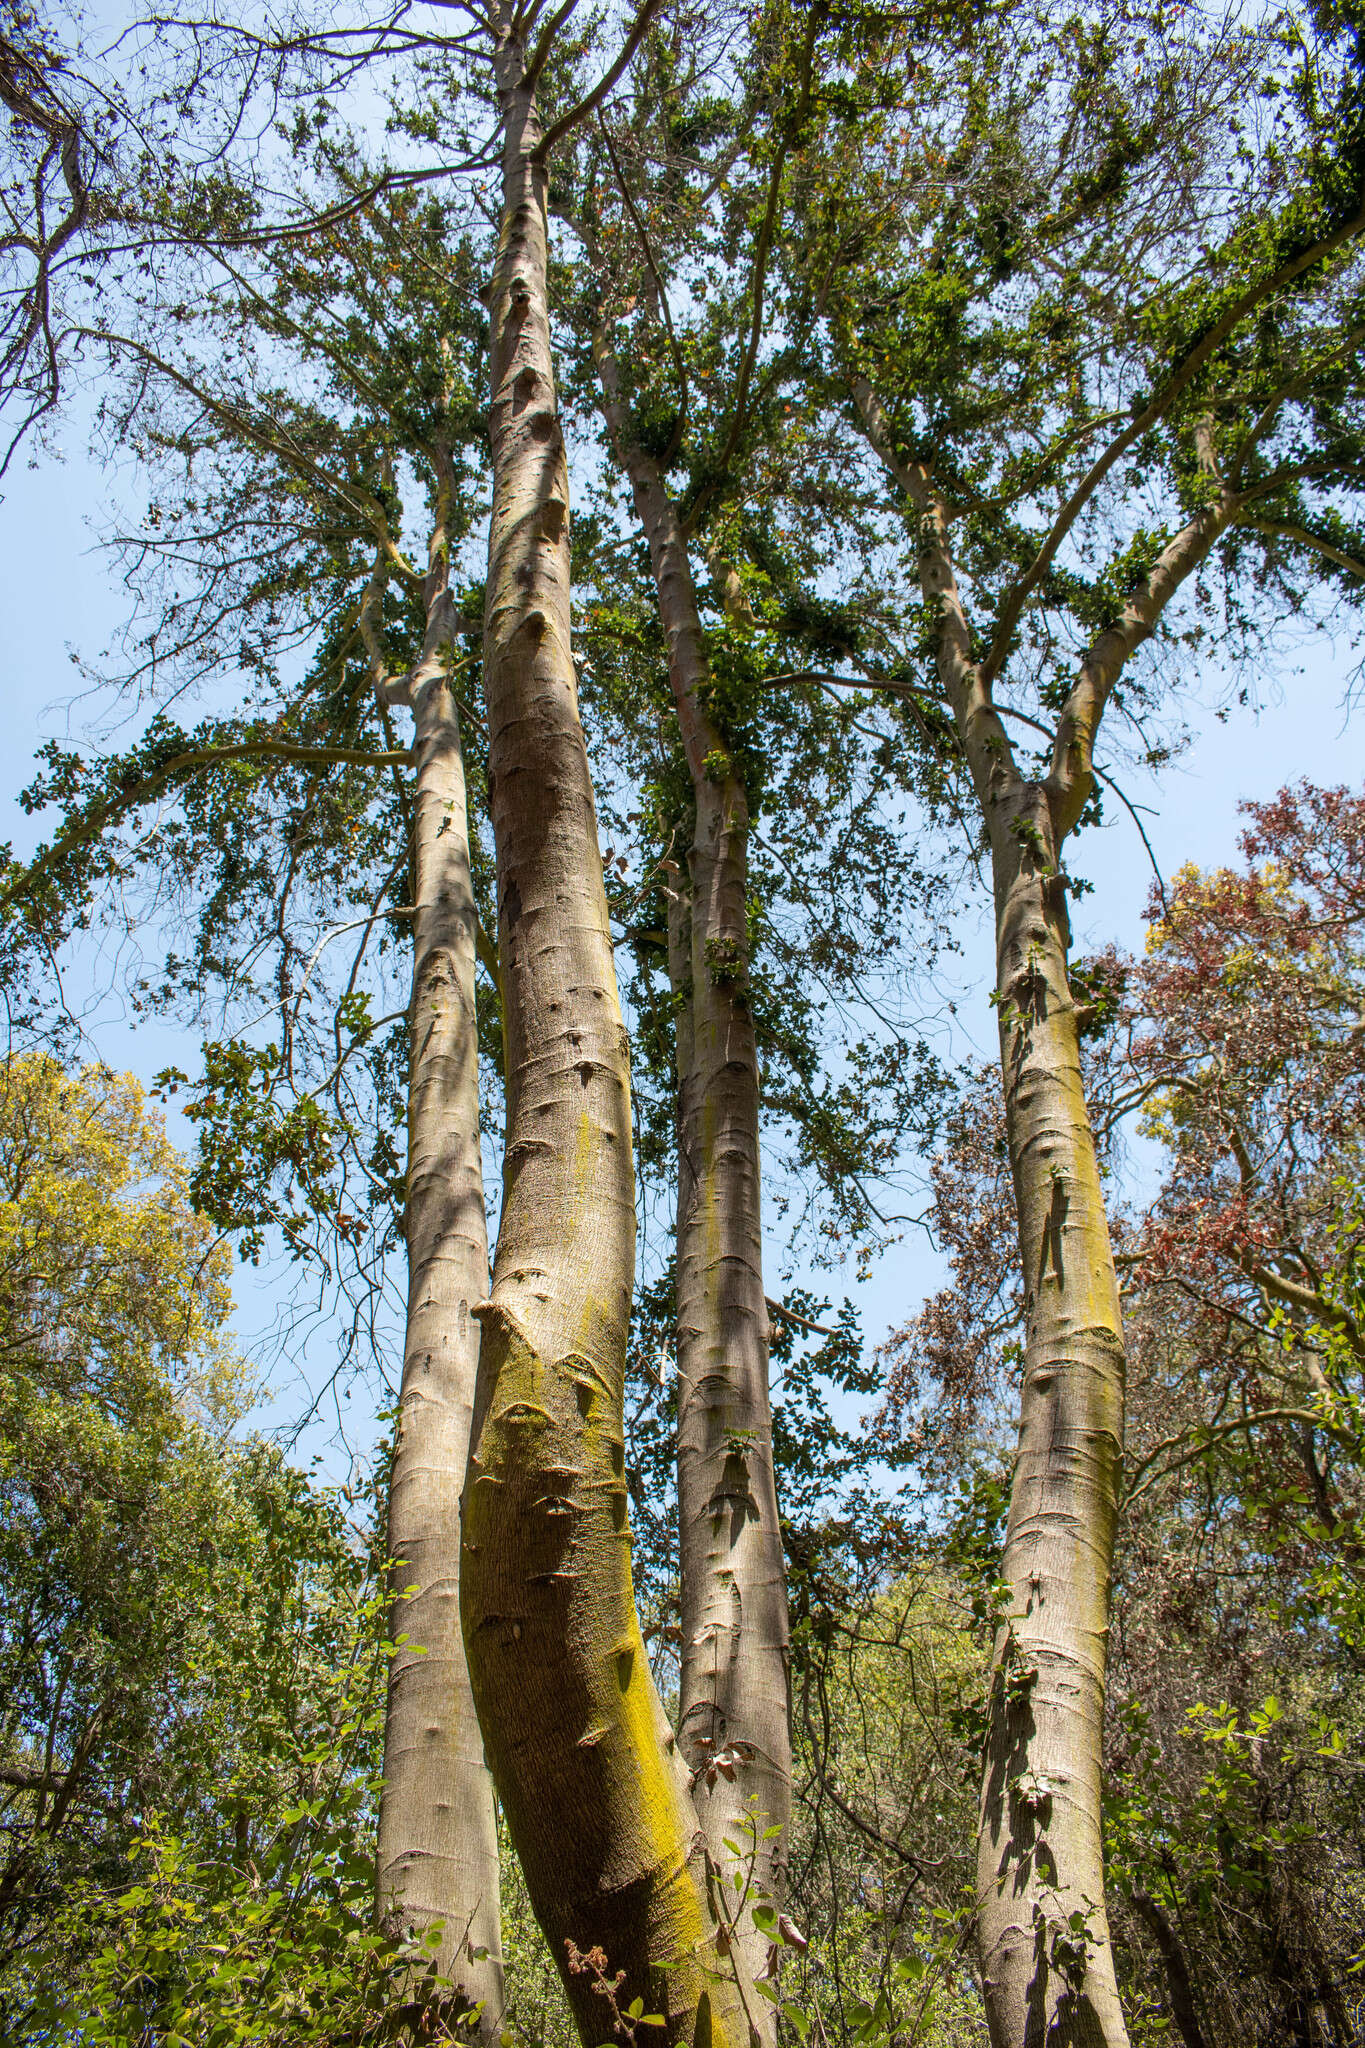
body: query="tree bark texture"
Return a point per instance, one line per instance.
(438, 1845)
(584, 1760)
(734, 1725)
(1047, 1961)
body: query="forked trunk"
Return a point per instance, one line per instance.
(1047, 1963)
(584, 1760)
(438, 1846)
(734, 1696)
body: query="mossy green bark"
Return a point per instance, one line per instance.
(596, 1797)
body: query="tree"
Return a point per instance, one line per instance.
(596, 1796)
(1021, 365)
(963, 254)
(1233, 1781)
(692, 427)
(437, 1855)
(1238, 1037)
(395, 390)
(734, 1707)
(170, 1591)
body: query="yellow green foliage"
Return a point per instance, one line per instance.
(180, 1612)
(879, 1858)
(112, 1289)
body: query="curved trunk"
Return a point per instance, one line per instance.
(586, 1765)
(1047, 1963)
(438, 1845)
(734, 1721)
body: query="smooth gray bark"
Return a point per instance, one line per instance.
(438, 1846)
(734, 1720)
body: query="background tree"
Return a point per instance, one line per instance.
(172, 1595)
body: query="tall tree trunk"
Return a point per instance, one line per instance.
(438, 1844)
(595, 1794)
(735, 1692)
(1047, 1962)
(734, 1721)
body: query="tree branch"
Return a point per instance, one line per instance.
(560, 128)
(790, 129)
(679, 365)
(789, 1315)
(545, 44)
(985, 742)
(1153, 411)
(89, 827)
(1069, 779)
(263, 438)
(1305, 539)
(1210, 1433)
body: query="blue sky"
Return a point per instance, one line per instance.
(64, 597)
